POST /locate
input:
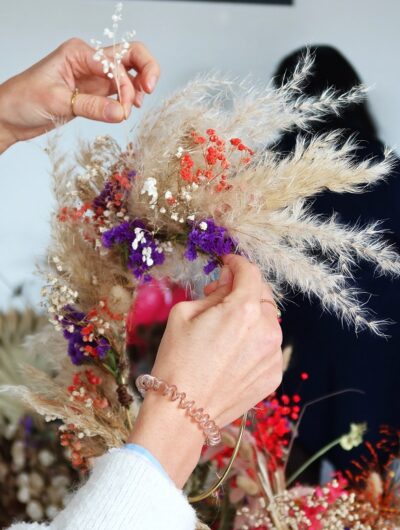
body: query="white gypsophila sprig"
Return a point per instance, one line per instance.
(120, 45)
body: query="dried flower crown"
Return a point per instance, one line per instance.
(198, 181)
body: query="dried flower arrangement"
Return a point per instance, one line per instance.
(199, 180)
(259, 495)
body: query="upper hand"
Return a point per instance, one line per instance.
(224, 352)
(30, 101)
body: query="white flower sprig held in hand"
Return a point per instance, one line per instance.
(112, 65)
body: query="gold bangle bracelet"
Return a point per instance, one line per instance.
(224, 476)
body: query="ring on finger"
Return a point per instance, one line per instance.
(75, 94)
(268, 301)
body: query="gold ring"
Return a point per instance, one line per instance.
(267, 301)
(73, 100)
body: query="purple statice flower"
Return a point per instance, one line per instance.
(73, 323)
(122, 233)
(111, 188)
(104, 197)
(143, 251)
(211, 239)
(76, 346)
(103, 347)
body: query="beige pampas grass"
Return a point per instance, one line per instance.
(263, 205)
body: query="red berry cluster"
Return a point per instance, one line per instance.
(69, 438)
(273, 427)
(84, 390)
(216, 159)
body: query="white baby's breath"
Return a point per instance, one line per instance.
(111, 61)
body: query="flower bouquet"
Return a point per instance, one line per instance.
(199, 180)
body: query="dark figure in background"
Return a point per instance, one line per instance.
(334, 357)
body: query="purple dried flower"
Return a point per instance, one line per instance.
(211, 239)
(105, 196)
(73, 323)
(123, 233)
(144, 252)
(108, 193)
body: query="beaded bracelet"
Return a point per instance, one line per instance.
(211, 432)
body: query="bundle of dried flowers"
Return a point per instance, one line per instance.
(179, 197)
(260, 495)
(199, 180)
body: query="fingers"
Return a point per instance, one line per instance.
(141, 60)
(98, 108)
(80, 57)
(247, 280)
(139, 94)
(223, 287)
(268, 304)
(121, 78)
(210, 288)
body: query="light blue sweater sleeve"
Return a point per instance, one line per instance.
(139, 450)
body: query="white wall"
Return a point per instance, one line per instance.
(186, 37)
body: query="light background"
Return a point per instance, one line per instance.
(186, 37)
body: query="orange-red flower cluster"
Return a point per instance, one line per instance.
(84, 390)
(216, 158)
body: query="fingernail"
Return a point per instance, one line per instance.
(139, 98)
(224, 277)
(127, 110)
(113, 111)
(151, 83)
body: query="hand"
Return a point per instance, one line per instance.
(223, 351)
(30, 101)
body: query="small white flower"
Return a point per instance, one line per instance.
(106, 65)
(162, 210)
(179, 153)
(191, 217)
(150, 187)
(203, 226)
(108, 33)
(168, 195)
(174, 216)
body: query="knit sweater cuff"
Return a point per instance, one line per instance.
(125, 491)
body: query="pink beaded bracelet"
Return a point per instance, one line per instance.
(211, 432)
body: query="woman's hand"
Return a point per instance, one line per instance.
(223, 351)
(30, 101)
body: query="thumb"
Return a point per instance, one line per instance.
(98, 108)
(220, 289)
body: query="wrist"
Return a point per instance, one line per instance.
(7, 139)
(170, 436)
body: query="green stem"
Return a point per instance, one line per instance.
(311, 460)
(226, 513)
(109, 369)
